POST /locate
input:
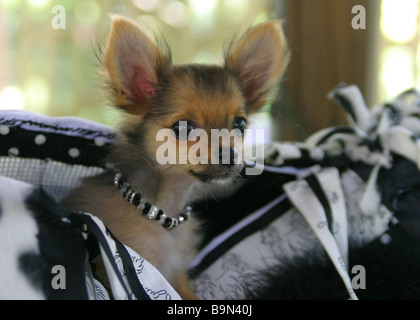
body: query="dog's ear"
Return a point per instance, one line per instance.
(258, 60)
(133, 64)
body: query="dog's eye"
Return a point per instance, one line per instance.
(182, 128)
(239, 123)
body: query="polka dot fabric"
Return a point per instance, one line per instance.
(69, 140)
(54, 153)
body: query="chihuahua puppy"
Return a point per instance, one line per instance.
(145, 203)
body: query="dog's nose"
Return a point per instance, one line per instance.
(227, 156)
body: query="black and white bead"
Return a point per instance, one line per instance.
(152, 212)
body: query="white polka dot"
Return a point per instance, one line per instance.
(100, 142)
(40, 139)
(74, 152)
(385, 239)
(4, 130)
(13, 151)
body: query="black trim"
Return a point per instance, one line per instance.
(346, 104)
(14, 122)
(261, 222)
(104, 244)
(339, 129)
(130, 271)
(313, 182)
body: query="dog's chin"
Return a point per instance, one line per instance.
(219, 177)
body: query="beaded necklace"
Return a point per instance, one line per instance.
(152, 212)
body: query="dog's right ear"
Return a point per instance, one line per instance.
(133, 64)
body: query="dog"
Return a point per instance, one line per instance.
(142, 202)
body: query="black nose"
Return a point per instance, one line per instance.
(227, 156)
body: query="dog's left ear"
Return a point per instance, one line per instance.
(258, 60)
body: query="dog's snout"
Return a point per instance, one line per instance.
(228, 156)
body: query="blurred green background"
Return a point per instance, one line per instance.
(53, 71)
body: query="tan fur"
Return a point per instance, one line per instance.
(155, 94)
(165, 250)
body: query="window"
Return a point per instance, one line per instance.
(398, 48)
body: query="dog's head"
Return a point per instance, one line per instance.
(175, 112)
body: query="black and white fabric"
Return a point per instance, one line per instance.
(41, 159)
(52, 152)
(346, 199)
